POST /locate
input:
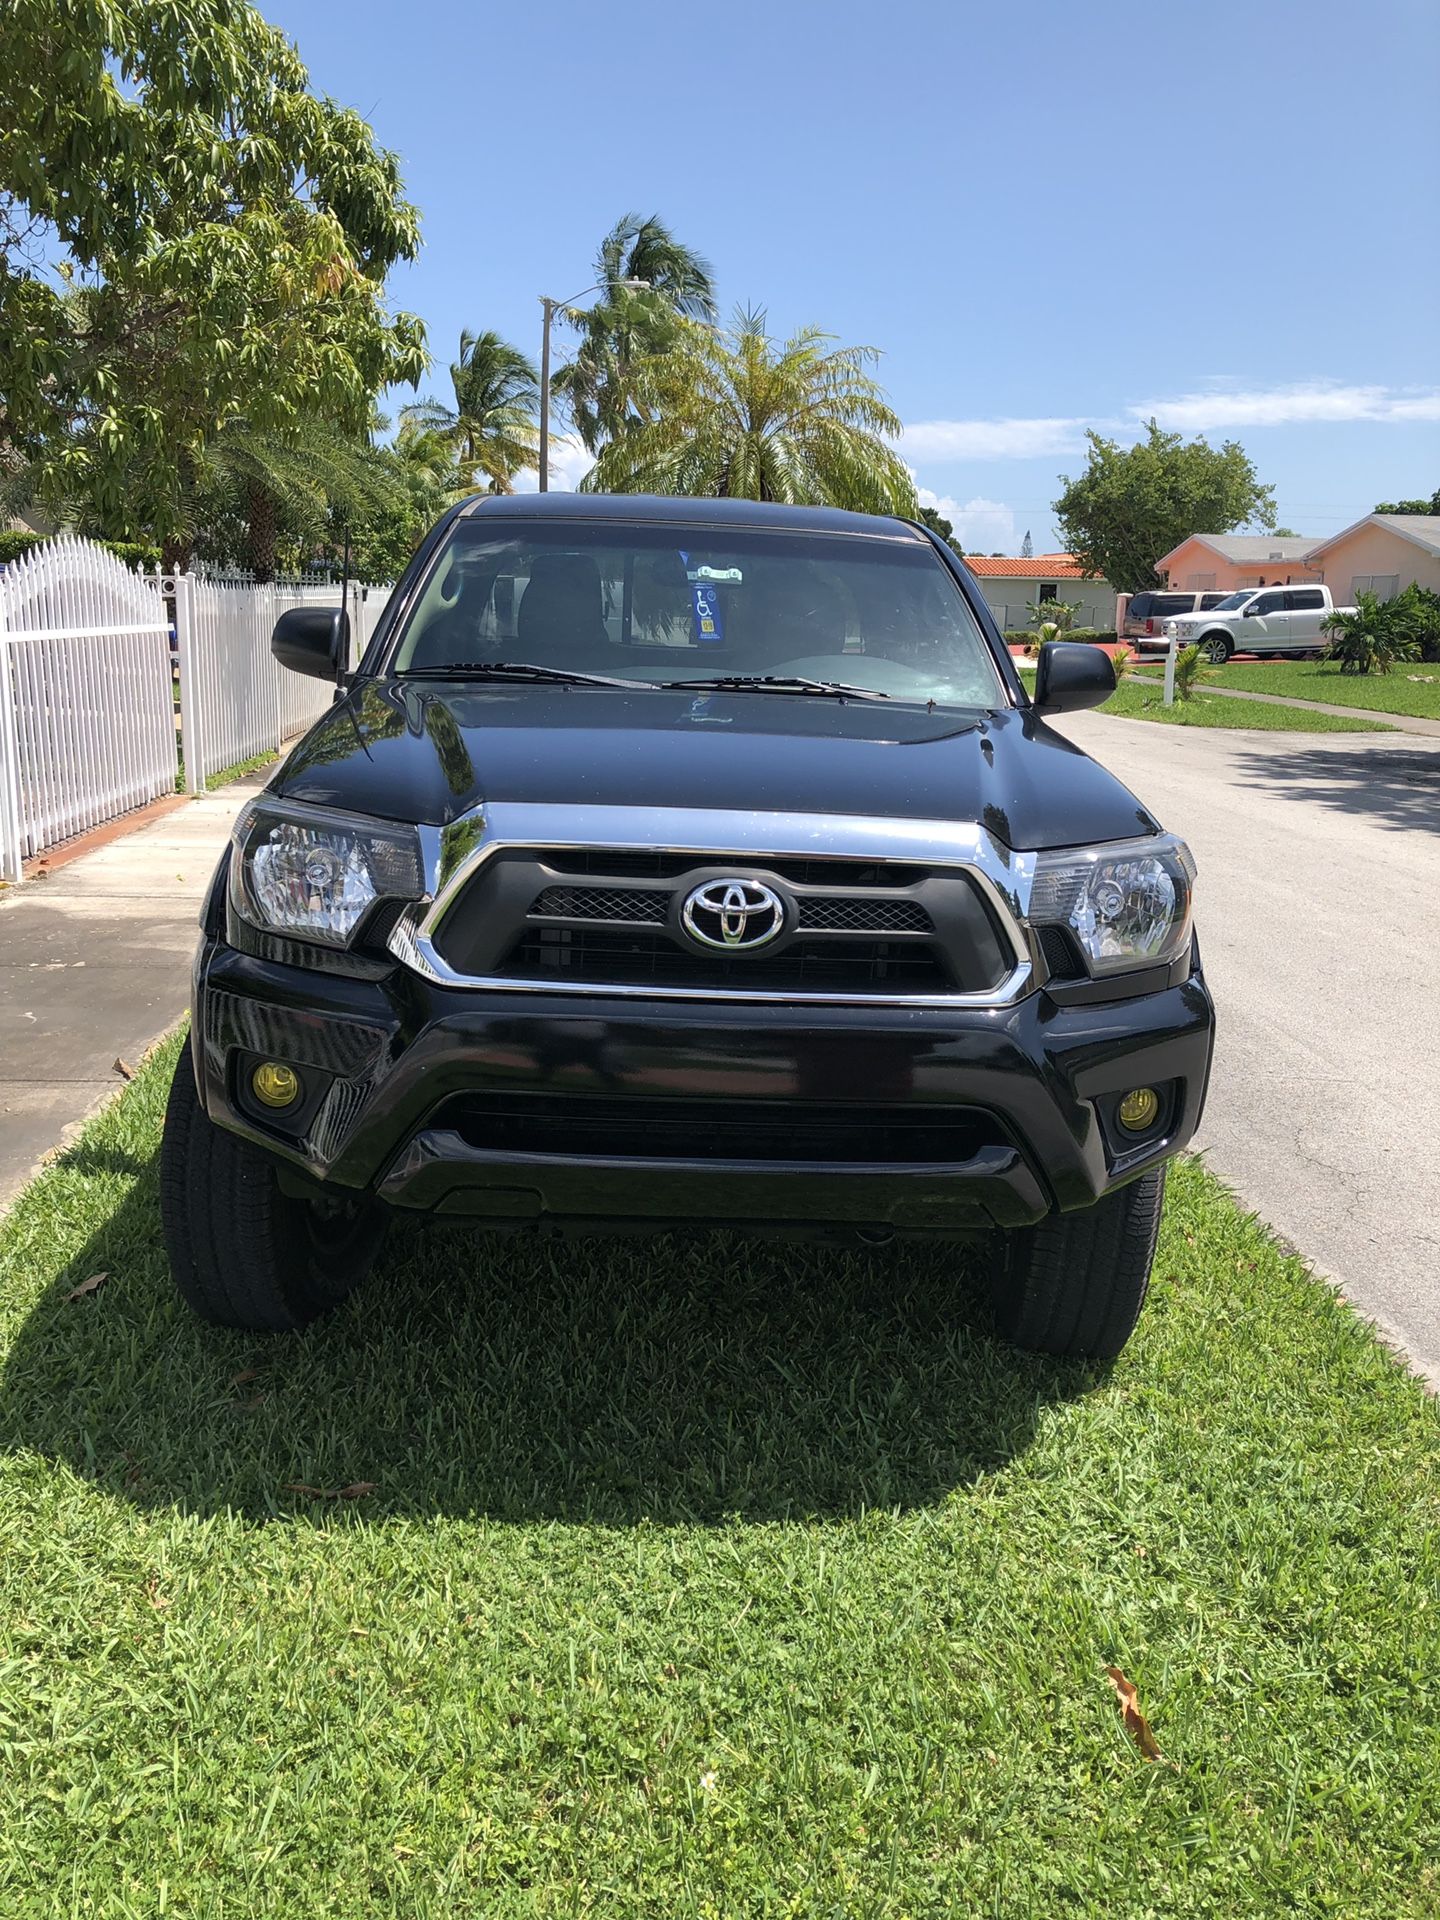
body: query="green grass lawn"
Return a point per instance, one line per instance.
(1393, 692)
(701, 1579)
(1136, 701)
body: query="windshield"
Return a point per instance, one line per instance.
(1233, 600)
(651, 603)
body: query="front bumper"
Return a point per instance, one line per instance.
(527, 1108)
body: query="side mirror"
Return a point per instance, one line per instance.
(313, 640)
(1071, 674)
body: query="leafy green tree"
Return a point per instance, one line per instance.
(1133, 504)
(740, 416)
(625, 326)
(494, 423)
(421, 464)
(1427, 507)
(220, 238)
(944, 529)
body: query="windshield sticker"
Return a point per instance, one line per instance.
(709, 626)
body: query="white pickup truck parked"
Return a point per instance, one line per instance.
(1260, 620)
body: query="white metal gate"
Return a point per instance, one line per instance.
(87, 718)
(87, 689)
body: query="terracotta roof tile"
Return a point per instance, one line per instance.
(1044, 566)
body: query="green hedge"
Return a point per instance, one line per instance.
(15, 544)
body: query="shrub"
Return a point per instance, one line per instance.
(1189, 671)
(15, 544)
(135, 553)
(1375, 637)
(1415, 616)
(1121, 661)
(1059, 614)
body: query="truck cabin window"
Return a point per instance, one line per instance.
(665, 603)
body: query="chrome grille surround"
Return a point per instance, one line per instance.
(453, 853)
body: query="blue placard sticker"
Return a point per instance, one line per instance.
(709, 625)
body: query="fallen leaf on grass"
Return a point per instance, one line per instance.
(125, 1073)
(355, 1491)
(92, 1285)
(244, 1377)
(1136, 1725)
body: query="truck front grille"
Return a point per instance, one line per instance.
(650, 906)
(611, 956)
(588, 916)
(826, 1133)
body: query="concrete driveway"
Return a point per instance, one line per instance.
(1318, 904)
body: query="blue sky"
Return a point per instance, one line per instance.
(1046, 216)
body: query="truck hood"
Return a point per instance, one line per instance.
(428, 753)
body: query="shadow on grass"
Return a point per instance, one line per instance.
(1399, 786)
(615, 1382)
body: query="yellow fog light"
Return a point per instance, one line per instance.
(1138, 1109)
(275, 1085)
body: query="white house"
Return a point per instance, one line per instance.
(1011, 586)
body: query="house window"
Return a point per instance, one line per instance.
(1384, 586)
(1049, 590)
(1200, 581)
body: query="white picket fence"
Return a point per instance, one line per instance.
(88, 724)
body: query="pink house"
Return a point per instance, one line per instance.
(1382, 554)
(1223, 562)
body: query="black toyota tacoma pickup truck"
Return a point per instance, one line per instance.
(677, 862)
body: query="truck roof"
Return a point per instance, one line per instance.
(669, 509)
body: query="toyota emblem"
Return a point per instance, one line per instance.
(733, 914)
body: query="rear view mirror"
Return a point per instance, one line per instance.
(314, 640)
(1071, 674)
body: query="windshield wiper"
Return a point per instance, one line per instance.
(516, 670)
(777, 683)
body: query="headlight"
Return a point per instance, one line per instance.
(1126, 905)
(315, 875)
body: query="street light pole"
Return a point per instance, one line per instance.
(549, 306)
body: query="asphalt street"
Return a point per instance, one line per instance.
(1318, 906)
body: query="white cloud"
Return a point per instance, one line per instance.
(981, 526)
(1006, 439)
(1221, 407)
(569, 464)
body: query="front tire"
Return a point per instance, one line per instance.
(1216, 648)
(1074, 1284)
(242, 1252)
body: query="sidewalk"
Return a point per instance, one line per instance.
(95, 966)
(1405, 722)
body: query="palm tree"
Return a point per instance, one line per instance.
(1370, 637)
(493, 425)
(301, 473)
(737, 415)
(625, 326)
